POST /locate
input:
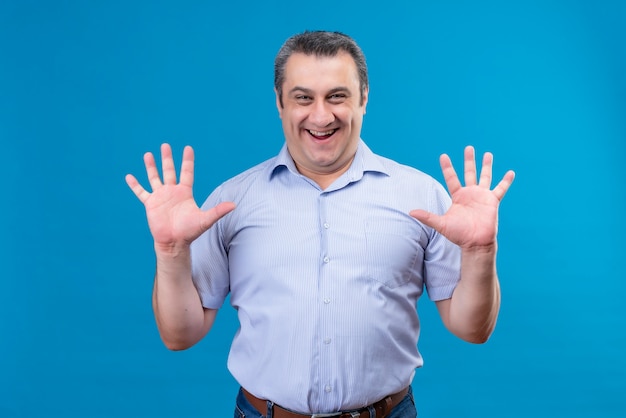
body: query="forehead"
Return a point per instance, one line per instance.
(312, 71)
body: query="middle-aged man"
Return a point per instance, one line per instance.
(327, 252)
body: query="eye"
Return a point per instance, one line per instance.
(337, 97)
(303, 99)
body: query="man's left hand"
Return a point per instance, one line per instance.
(471, 222)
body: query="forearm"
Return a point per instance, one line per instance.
(180, 316)
(473, 309)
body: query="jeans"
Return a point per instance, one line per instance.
(405, 409)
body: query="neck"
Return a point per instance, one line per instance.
(324, 179)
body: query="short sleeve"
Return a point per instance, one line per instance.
(442, 258)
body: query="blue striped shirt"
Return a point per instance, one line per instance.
(325, 282)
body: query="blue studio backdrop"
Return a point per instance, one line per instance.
(87, 87)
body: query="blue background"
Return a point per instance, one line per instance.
(87, 87)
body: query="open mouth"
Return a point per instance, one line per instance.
(321, 134)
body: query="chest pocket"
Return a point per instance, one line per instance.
(395, 250)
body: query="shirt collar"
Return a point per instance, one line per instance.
(364, 160)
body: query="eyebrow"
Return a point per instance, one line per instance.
(331, 91)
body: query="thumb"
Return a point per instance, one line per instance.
(215, 213)
(428, 219)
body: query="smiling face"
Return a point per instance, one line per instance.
(322, 114)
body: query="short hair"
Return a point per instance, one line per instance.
(320, 44)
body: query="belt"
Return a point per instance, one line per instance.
(382, 408)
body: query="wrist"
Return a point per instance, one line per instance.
(479, 258)
(173, 261)
(480, 250)
(171, 250)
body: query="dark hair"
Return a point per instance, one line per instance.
(321, 44)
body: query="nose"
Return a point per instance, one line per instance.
(321, 114)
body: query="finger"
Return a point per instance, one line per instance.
(427, 218)
(141, 193)
(187, 167)
(486, 170)
(214, 214)
(167, 165)
(449, 174)
(151, 171)
(500, 190)
(470, 166)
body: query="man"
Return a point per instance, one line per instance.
(326, 253)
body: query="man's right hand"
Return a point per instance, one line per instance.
(174, 218)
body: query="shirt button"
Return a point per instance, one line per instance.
(326, 225)
(326, 340)
(328, 388)
(327, 301)
(326, 259)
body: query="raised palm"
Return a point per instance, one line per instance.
(472, 219)
(173, 216)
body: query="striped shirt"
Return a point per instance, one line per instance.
(325, 282)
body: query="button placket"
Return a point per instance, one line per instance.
(325, 286)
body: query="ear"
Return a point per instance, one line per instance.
(278, 106)
(365, 98)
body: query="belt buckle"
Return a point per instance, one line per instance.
(334, 414)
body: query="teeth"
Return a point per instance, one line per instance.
(316, 133)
